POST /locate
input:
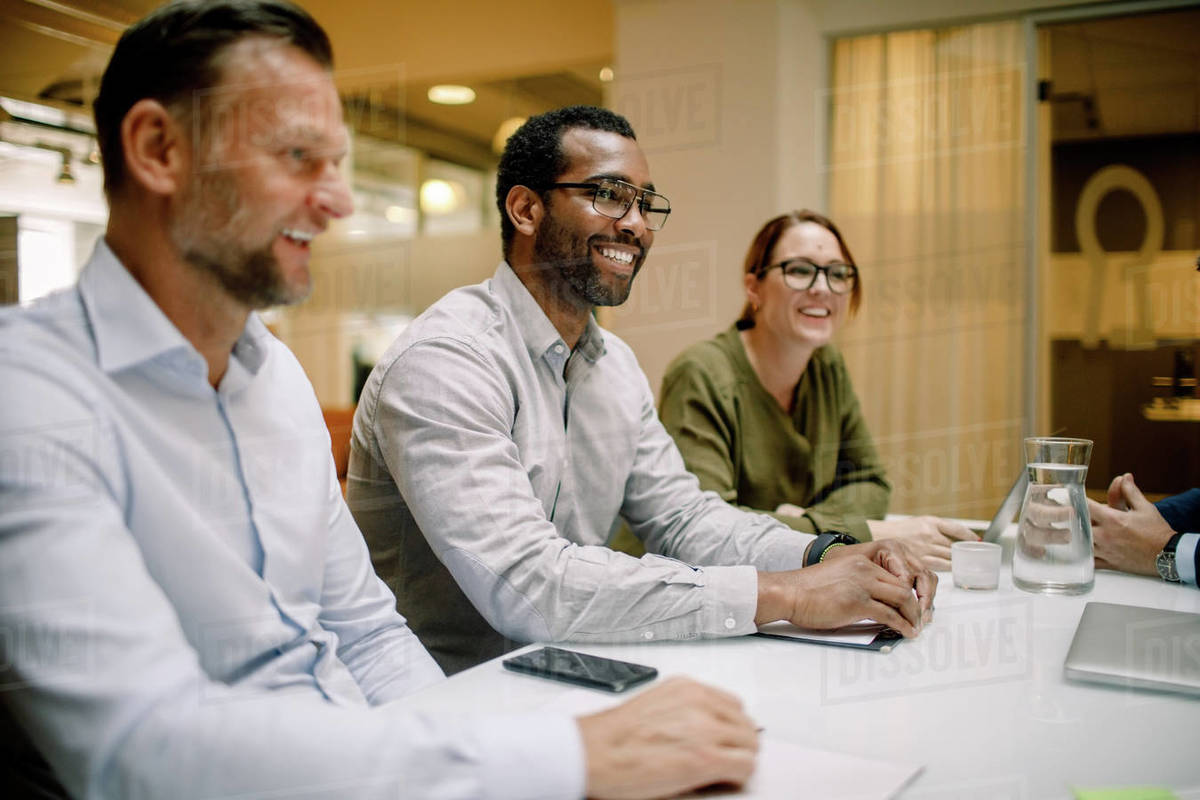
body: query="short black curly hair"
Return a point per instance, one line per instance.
(533, 156)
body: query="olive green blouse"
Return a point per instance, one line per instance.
(738, 441)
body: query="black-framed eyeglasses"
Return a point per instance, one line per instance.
(801, 274)
(614, 198)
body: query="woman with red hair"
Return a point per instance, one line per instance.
(765, 414)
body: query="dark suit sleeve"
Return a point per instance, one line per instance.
(1182, 511)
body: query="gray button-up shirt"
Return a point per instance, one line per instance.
(489, 463)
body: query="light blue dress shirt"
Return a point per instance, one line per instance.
(1185, 558)
(187, 608)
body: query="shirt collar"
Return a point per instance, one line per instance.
(130, 328)
(537, 331)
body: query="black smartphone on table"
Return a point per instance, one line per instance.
(581, 669)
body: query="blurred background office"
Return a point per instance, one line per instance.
(1019, 179)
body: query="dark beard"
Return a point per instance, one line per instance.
(207, 242)
(251, 278)
(555, 248)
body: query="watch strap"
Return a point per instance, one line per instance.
(821, 545)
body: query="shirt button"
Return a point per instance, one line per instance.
(558, 348)
(648, 635)
(730, 624)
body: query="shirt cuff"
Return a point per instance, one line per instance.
(730, 601)
(1185, 557)
(531, 757)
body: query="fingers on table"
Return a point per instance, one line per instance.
(938, 563)
(955, 531)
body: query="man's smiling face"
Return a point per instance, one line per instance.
(266, 181)
(596, 256)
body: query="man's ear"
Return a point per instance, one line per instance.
(155, 146)
(525, 209)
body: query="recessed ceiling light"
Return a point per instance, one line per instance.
(439, 196)
(606, 74)
(449, 94)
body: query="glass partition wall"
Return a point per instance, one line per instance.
(1118, 235)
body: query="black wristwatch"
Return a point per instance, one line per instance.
(824, 543)
(1166, 560)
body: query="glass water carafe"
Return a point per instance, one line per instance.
(1053, 554)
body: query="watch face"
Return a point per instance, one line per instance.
(1166, 567)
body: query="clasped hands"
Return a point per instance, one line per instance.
(874, 580)
(1129, 532)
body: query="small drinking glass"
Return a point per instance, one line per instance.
(975, 565)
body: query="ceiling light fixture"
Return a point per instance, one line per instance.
(606, 74)
(449, 94)
(439, 196)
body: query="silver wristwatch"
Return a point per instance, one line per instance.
(1166, 560)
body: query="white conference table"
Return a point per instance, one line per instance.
(979, 699)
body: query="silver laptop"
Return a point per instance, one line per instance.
(1144, 648)
(1007, 511)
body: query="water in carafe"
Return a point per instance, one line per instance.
(1053, 553)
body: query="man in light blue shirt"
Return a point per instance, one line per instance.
(187, 608)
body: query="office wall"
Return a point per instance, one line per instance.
(723, 96)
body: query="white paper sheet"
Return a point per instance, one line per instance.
(786, 770)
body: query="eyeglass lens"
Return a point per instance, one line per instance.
(802, 275)
(613, 199)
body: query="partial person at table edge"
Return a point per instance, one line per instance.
(1131, 534)
(765, 413)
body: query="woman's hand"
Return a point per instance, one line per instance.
(929, 537)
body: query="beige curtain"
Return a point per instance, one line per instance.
(927, 181)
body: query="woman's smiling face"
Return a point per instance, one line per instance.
(808, 317)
